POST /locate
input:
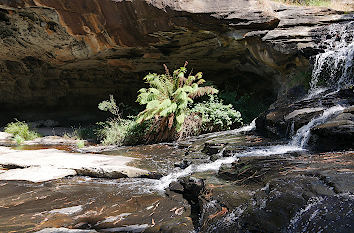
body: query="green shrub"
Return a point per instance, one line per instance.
(167, 101)
(217, 116)
(84, 133)
(119, 131)
(20, 131)
(122, 132)
(112, 132)
(249, 105)
(80, 144)
(110, 106)
(19, 140)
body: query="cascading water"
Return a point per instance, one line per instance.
(303, 134)
(333, 69)
(165, 181)
(298, 143)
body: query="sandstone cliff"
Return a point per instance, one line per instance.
(69, 54)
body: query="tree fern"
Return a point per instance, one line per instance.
(168, 97)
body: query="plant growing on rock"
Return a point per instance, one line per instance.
(167, 101)
(20, 131)
(217, 116)
(80, 144)
(110, 106)
(119, 131)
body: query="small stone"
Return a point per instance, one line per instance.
(176, 187)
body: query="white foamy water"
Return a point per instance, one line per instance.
(298, 143)
(165, 181)
(245, 128)
(312, 202)
(303, 134)
(314, 92)
(335, 65)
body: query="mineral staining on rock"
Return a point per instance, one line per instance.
(62, 54)
(71, 55)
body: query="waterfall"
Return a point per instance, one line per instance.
(333, 69)
(303, 134)
(298, 143)
(165, 181)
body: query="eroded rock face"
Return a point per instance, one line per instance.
(280, 194)
(336, 134)
(71, 55)
(92, 204)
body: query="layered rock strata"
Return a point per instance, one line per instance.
(65, 55)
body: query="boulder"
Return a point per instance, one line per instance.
(284, 119)
(280, 193)
(336, 134)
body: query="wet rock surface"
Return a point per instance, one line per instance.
(60, 54)
(283, 192)
(334, 134)
(82, 203)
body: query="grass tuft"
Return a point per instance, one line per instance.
(21, 131)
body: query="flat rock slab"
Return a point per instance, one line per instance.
(52, 140)
(36, 174)
(44, 165)
(4, 136)
(64, 230)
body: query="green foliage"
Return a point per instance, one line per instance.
(84, 133)
(109, 106)
(80, 144)
(229, 97)
(249, 105)
(119, 131)
(122, 132)
(20, 131)
(19, 140)
(217, 116)
(167, 101)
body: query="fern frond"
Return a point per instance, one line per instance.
(200, 81)
(203, 91)
(167, 100)
(190, 80)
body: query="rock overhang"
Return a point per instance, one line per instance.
(63, 54)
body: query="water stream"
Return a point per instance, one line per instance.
(99, 203)
(298, 143)
(333, 67)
